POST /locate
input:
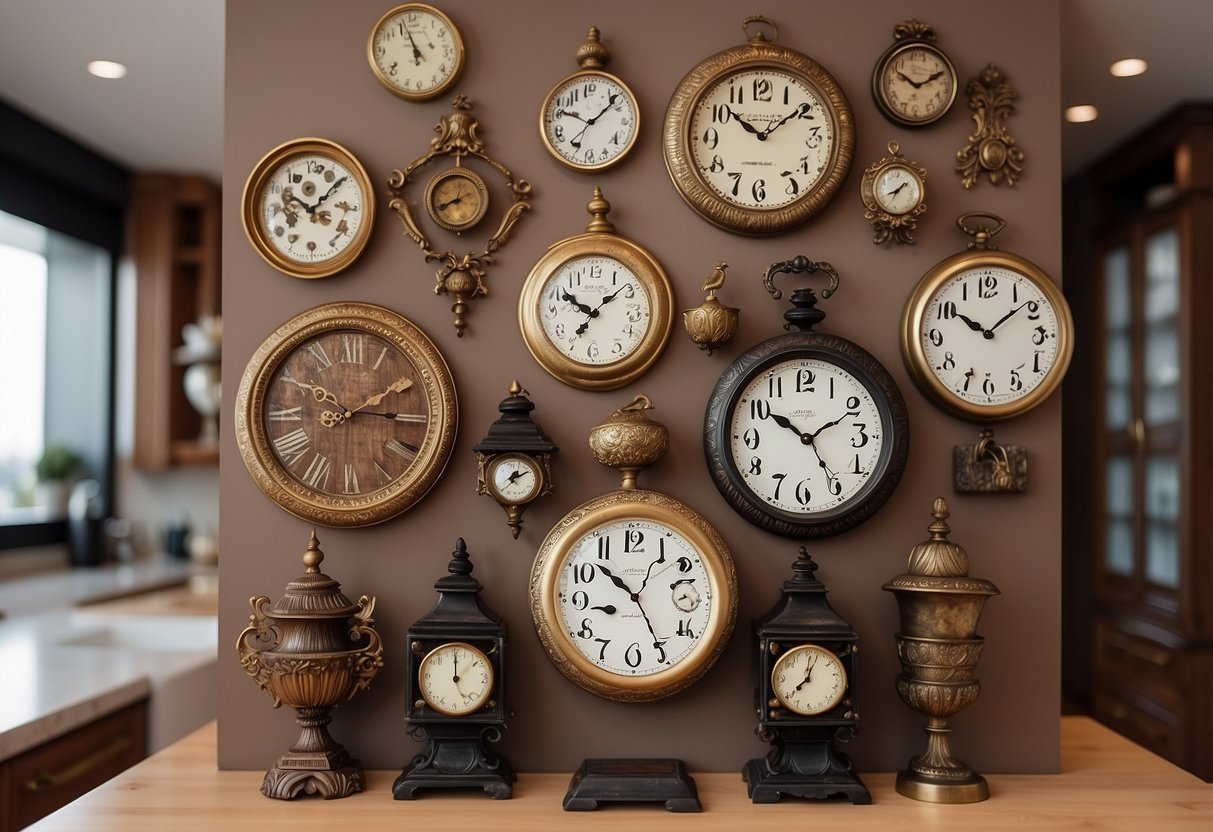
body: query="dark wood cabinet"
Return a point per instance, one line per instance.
(1150, 404)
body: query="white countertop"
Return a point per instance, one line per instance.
(63, 665)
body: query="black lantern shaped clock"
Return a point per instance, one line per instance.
(456, 691)
(515, 458)
(805, 695)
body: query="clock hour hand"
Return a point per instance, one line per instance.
(808, 673)
(896, 190)
(745, 125)
(915, 84)
(517, 475)
(989, 333)
(581, 307)
(617, 581)
(971, 324)
(288, 196)
(417, 56)
(442, 206)
(408, 418)
(785, 422)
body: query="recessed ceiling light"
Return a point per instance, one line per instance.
(1081, 112)
(107, 69)
(1128, 67)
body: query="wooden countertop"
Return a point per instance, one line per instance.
(1106, 782)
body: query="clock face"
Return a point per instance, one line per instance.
(990, 336)
(762, 138)
(455, 679)
(806, 436)
(590, 120)
(809, 680)
(916, 85)
(311, 208)
(515, 478)
(897, 189)
(456, 199)
(416, 51)
(594, 310)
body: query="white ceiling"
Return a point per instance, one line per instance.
(174, 52)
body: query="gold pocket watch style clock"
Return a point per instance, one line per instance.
(596, 310)
(346, 415)
(806, 434)
(515, 458)
(308, 208)
(894, 193)
(986, 334)
(416, 52)
(633, 593)
(591, 119)
(914, 82)
(457, 199)
(759, 137)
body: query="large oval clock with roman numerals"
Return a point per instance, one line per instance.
(346, 415)
(806, 434)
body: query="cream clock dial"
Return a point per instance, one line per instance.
(416, 52)
(918, 85)
(809, 680)
(590, 120)
(515, 478)
(897, 189)
(455, 679)
(594, 310)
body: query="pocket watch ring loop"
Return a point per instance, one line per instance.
(799, 265)
(758, 18)
(980, 232)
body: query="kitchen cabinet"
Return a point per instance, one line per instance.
(174, 243)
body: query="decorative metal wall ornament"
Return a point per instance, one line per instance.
(991, 149)
(893, 190)
(461, 276)
(988, 467)
(711, 324)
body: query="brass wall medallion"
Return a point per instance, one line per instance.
(914, 83)
(458, 138)
(346, 415)
(758, 137)
(894, 194)
(991, 149)
(596, 310)
(416, 52)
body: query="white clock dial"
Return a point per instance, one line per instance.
(990, 335)
(416, 51)
(590, 120)
(918, 84)
(761, 138)
(808, 679)
(594, 310)
(455, 679)
(897, 190)
(311, 208)
(806, 436)
(516, 479)
(620, 601)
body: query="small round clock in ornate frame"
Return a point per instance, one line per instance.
(914, 82)
(346, 415)
(986, 334)
(759, 137)
(416, 52)
(597, 308)
(893, 190)
(308, 208)
(456, 198)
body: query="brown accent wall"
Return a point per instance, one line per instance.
(298, 68)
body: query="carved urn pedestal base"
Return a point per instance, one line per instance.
(938, 777)
(316, 764)
(804, 767)
(456, 758)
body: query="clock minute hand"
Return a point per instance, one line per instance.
(832, 424)
(989, 333)
(398, 386)
(801, 111)
(915, 84)
(332, 188)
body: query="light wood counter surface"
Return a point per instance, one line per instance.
(1106, 782)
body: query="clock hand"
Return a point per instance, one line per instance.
(801, 111)
(915, 84)
(417, 56)
(745, 125)
(970, 323)
(398, 386)
(989, 333)
(581, 307)
(836, 421)
(593, 313)
(332, 188)
(576, 140)
(896, 190)
(616, 580)
(832, 483)
(808, 673)
(517, 475)
(407, 418)
(649, 572)
(784, 422)
(609, 609)
(442, 206)
(933, 76)
(288, 196)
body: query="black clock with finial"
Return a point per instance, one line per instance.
(456, 690)
(805, 695)
(515, 458)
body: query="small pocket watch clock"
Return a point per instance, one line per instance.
(894, 196)
(759, 137)
(456, 690)
(416, 52)
(596, 310)
(514, 458)
(308, 208)
(591, 119)
(805, 434)
(634, 594)
(806, 695)
(986, 334)
(914, 82)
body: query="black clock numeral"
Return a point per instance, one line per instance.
(803, 495)
(779, 478)
(947, 310)
(762, 89)
(633, 541)
(862, 438)
(793, 187)
(760, 409)
(751, 438)
(755, 465)
(856, 469)
(721, 113)
(968, 378)
(711, 138)
(949, 361)
(1039, 335)
(580, 600)
(1036, 361)
(632, 656)
(684, 628)
(583, 573)
(586, 631)
(805, 381)
(987, 287)
(853, 403)
(1033, 311)
(936, 337)
(736, 176)
(604, 549)
(759, 190)
(736, 94)
(775, 387)
(1016, 381)
(987, 386)
(605, 642)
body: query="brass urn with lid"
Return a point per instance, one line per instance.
(939, 649)
(313, 649)
(629, 441)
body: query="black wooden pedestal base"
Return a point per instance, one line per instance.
(811, 769)
(455, 760)
(659, 780)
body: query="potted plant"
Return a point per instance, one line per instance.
(54, 470)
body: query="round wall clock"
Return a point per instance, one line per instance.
(914, 83)
(596, 310)
(758, 138)
(894, 191)
(986, 334)
(456, 198)
(416, 52)
(308, 208)
(633, 593)
(590, 120)
(346, 415)
(806, 434)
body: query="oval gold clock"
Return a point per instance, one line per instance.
(346, 415)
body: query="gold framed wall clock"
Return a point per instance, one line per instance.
(633, 593)
(416, 52)
(308, 208)
(986, 335)
(914, 83)
(591, 119)
(759, 137)
(346, 414)
(597, 308)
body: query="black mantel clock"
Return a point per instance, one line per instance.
(456, 691)
(805, 695)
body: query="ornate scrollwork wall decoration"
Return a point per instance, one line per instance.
(991, 149)
(462, 276)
